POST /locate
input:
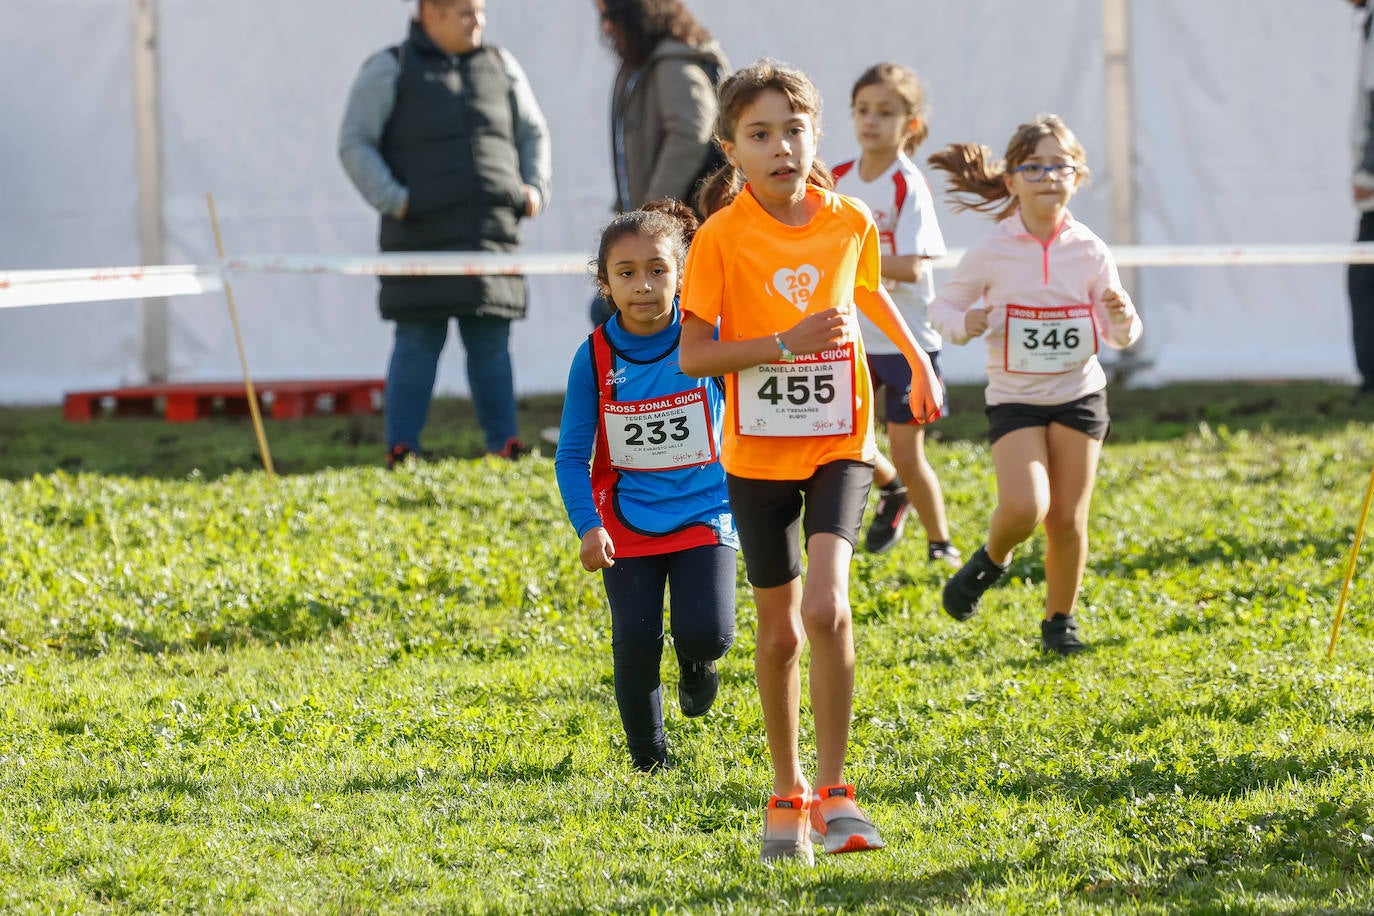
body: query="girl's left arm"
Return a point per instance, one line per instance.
(1123, 326)
(926, 391)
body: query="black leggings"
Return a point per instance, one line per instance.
(701, 584)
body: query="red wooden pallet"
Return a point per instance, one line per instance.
(184, 402)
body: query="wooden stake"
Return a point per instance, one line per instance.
(243, 359)
(1350, 566)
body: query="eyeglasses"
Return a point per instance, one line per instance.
(1035, 172)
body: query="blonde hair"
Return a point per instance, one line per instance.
(907, 85)
(978, 181)
(738, 92)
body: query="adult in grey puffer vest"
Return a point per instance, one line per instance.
(663, 104)
(443, 137)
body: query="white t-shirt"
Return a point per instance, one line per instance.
(904, 211)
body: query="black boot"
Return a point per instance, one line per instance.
(1060, 634)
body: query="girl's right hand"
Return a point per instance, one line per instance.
(598, 550)
(816, 332)
(975, 322)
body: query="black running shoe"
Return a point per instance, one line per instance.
(650, 763)
(944, 553)
(888, 522)
(1060, 634)
(966, 586)
(402, 455)
(514, 450)
(697, 687)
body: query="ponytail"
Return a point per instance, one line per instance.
(916, 137)
(685, 216)
(974, 173)
(723, 185)
(977, 181)
(820, 175)
(717, 190)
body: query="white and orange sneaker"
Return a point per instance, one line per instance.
(839, 823)
(784, 830)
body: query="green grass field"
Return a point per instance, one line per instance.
(348, 691)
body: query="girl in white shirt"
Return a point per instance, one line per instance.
(887, 105)
(1050, 292)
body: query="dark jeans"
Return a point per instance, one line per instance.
(1360, 283)
(701, 584)
(415, 362)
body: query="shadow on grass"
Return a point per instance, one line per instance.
(829, 891)
(1309, 857)
(39, 441)
(1218, 779)
(287, 622)
(1222, 549)
(1175, 411)
(1208, 887)
(120, 791)
(500, 765)
(36, 440)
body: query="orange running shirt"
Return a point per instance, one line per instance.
(759, 276)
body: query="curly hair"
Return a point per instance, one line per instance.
(667, 219)
(641, 24)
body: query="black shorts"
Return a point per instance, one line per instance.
(768, 512)
(892, 373)
(1087, 414)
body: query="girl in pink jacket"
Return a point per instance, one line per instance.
(1049, 294)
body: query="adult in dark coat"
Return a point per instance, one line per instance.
(1360, 277)
(663, 103)
(443, 137)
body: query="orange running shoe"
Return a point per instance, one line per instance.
(784, 830)
(839, 823)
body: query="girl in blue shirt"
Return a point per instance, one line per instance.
(638, 468)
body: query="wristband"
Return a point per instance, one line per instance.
(787, 355)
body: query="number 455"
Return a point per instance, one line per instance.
(801, 389)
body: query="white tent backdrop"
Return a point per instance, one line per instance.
(1240, 120)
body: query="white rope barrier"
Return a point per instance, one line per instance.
(416, 264)
(472, 263)
(1229, 255)
(19, 288)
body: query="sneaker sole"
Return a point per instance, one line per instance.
(861, 837)
(786, 850)
(869, 548)
(944, 604)
(855, 843)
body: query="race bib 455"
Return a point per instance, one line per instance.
(813, 396)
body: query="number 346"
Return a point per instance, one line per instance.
(1051, 339)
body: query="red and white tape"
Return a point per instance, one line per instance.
(19, 288)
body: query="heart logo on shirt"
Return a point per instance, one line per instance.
(798, 285)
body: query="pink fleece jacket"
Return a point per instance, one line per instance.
(1049, 296)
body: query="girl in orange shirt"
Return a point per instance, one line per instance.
(782, 267)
